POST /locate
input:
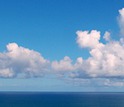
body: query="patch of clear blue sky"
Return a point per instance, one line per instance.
(49, 26)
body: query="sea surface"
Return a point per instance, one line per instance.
(61, 99)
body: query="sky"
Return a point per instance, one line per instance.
(58, 45)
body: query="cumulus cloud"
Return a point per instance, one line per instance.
(107, 36)
(121, 21)
(63, 65)
(105, 61)
(88, 39)
(21, 61)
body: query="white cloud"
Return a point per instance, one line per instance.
(6, 72)
(22, 61)
(106, 60)
(107, 36)
(63, 65)
(121, 21)
(86, 39)
(122, 41)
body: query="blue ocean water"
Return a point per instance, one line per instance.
(60, 99)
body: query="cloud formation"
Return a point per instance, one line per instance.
(20, 61)
(121, 21)
(88, 39)
(107, 36)
(114, 83)
(105, 61)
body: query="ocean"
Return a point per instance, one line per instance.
(61, 99)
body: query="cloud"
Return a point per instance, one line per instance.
(86, 39)
(63, 65)
(66, 67)
(114, 83)
(107, 36)
(105, 61)
(20, 61)
(121, 21)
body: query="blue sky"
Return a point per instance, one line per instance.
(49, 27)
